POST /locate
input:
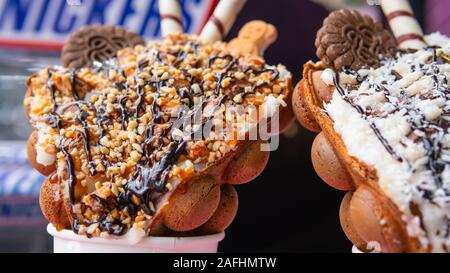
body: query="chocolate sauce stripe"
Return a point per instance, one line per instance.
(377, 132)
(81, 118)
(55, 121)
(432, 142)
(51, 87)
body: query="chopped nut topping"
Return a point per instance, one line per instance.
(125, 126)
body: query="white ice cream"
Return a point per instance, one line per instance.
(42, 157)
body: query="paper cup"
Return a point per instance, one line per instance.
(375, 249)
(356, 250)
(66, 241)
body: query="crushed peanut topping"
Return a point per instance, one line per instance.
(124, 124)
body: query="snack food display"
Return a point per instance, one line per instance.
(381, 112)
(120, 134)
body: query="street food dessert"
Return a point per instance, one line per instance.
(123, 142)
(382, 114)
(137, 139)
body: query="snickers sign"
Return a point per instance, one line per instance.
(45, 24)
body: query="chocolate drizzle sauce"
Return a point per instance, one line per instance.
(54, 121)
(430, 134)
(81, 118)
(180, 57)
(149, 179)
(51, 87)
(220, 76)
(123, 112)
(365, 115)
(101, 121)
(186, 95)
(275, 76)
(140, 93)
(115, 226)
(73, 81)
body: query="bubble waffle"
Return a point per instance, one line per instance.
(383, 136)
(120, 155)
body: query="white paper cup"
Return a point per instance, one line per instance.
(372, 245)
(66, 241)
(356, 250)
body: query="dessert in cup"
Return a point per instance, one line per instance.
(380, 105)
(133, 136)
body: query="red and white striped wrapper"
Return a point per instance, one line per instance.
(403, 24)
(222, 20)
(171, 17)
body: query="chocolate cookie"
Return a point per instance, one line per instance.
(351, 39)
(96, 43)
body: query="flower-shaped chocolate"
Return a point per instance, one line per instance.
(97, 43)
(353, 40)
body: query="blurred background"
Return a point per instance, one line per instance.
(287, 208)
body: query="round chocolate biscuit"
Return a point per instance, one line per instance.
(96, 43)
(349, 39)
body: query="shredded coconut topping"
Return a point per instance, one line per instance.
(397, 118)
